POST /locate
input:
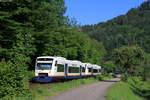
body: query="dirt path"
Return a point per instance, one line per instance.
(95, 91)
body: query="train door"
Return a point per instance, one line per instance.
(66, 69)
(80, 70)
(92, 70)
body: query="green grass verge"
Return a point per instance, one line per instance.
(41, 92)
(122, 91)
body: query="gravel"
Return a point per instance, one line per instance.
(94, 91)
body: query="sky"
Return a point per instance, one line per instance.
(95, 11)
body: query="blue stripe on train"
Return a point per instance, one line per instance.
(50, 79)
(43, 79)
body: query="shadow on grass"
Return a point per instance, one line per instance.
(141, 92)
(109, 80)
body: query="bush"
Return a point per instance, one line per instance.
(99, 77)
(114, 75)
(12, 79)
(105, 76)
(136, 81)
(140, 87)
(124, 77)
(145, 90)
(109, 66)
(31, 75)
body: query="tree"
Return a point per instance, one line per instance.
(16, 27)
(31, 28)
(146, 68)
(109, 66)
(128, 58)
(129, 29)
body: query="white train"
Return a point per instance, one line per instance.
(48, 69)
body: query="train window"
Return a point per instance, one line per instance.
(95, 70)
(44, 66)
(60, 68)
(83, 69)
(73, 70)
(90, 69)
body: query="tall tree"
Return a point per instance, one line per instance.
(128, 58)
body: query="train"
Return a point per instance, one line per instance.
(49, 69)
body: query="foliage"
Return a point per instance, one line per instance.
(124, 77)
(133, 89)
(122, 91)
(140, 87)
(99, 77)
(13, 80)
(129, 58)
(146, 67)
(114, 75)
(129, 29)
(109, 66)
(75, 45)
(31, 28)
(36, 28)
(105, 76)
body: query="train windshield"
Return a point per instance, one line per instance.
(44, 66)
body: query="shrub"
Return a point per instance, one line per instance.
(145, 90)
(114, 75)
(136, 81)
(103, 76)
(140, 87)
(124, 77)
(109, 66)
(99, 77)
(12, 79)
(31, 75)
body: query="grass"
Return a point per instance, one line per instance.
(41, 92)
(140, 87)
(103, 77)
(122, 91)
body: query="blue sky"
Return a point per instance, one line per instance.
(95, 11)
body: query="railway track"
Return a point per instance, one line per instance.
(32, 85)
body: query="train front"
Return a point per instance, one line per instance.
(43, 69)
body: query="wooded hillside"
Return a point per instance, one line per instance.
(132, 28)
(32, 28)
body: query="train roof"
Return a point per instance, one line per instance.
(88, 65)
(71, 62)
(96, 66)
(76, 61)
(53, 57)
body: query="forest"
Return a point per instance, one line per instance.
(32, 28)
(129, 29)
(125, 38)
